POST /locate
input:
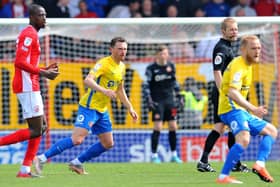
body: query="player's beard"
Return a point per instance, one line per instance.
(252, 60)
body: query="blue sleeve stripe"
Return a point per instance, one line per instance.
(92, 93)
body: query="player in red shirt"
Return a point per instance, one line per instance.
(26, 87)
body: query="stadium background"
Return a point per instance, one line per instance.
(76, 49)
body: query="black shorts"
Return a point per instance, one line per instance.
(215, 99)
(165, 111)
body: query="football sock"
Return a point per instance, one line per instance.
(233, 156)
(25, 169)
(32, 148)
(59, 147)
(209, 144)
(174, 153)
(94, 151)
(231, 142)
(265, 148)
(154, 143)
(172, 140)
(17, 136)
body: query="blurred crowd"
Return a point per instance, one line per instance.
(142, 8)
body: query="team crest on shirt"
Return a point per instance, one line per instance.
(36, 108)
(218, 60)
(27, 41)
(237, 77)
(168, 69)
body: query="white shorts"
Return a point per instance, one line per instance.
(31, 103)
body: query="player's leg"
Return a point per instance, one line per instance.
(210, 141)
(238, 121)
(103, 129)
(269, 133)
(239, 167)
(35, 125)
(155, 140)
(157, 116)
(28, 101)
(173, 141)
(212, 137)
(170, 115)
(84, 118)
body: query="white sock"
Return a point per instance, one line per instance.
(174, 153)
(76, 161)
(260, 163)
(222, 176)
(25, 169)
(154, 155)
(42, 158)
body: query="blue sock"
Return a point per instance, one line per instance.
(265, 147)
(233, 156)
(59, 147)
(94, 151)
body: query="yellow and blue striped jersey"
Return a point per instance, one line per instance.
(109, 75)
(238, 75)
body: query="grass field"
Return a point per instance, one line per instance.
(131, 175)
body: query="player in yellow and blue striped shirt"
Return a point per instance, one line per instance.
(104, 82)
(234, 111)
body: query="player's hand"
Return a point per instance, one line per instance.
(133, 114)
(151, 104)
(260, 111)
(110, 93)
(53, 66)
(50, 73)
(180, 102)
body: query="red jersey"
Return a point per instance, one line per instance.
(28, 50)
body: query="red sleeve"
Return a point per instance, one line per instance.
(23, 50)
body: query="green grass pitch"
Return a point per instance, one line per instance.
(132, 175)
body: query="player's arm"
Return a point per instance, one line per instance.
(23, 50)
(218, 78)
(124, 99)
(146, 89)
(219, 57)
(236, 96)
(90, 82)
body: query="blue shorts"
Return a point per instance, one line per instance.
(93, 120)
(240, 120)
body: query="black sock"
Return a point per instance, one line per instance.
(172, 140)
(154, 139)
(231, 140)
(209, 144)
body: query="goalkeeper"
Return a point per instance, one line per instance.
(104, 82)
(160, 88)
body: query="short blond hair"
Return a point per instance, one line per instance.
(245, 40)
(226, 22)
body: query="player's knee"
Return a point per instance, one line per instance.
(108, 145)
(35, 133)
(274, 132)
(219, 127)
(78, 141)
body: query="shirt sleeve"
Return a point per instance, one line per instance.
(23, 50)
(219, 57)
(97, 70)
(235, 76)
